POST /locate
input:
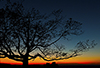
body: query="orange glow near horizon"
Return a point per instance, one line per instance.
(76, 60)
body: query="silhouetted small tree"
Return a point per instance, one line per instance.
(23, 32)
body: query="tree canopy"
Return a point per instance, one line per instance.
(23, 32)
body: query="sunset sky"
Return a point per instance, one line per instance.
(85, 11)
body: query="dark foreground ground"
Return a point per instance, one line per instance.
(49, 66)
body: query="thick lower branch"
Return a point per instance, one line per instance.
(44, 58)
(14, 57)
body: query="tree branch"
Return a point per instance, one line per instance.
(11, 56)
(48, 59)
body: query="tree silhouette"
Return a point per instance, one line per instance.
(25, 35)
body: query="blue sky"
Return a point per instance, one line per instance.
(84, 11)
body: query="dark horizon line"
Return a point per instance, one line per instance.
(50, 63)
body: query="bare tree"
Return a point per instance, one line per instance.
(23, 32)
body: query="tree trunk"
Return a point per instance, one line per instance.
(25, 60)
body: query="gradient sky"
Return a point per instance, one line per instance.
(84, 11)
